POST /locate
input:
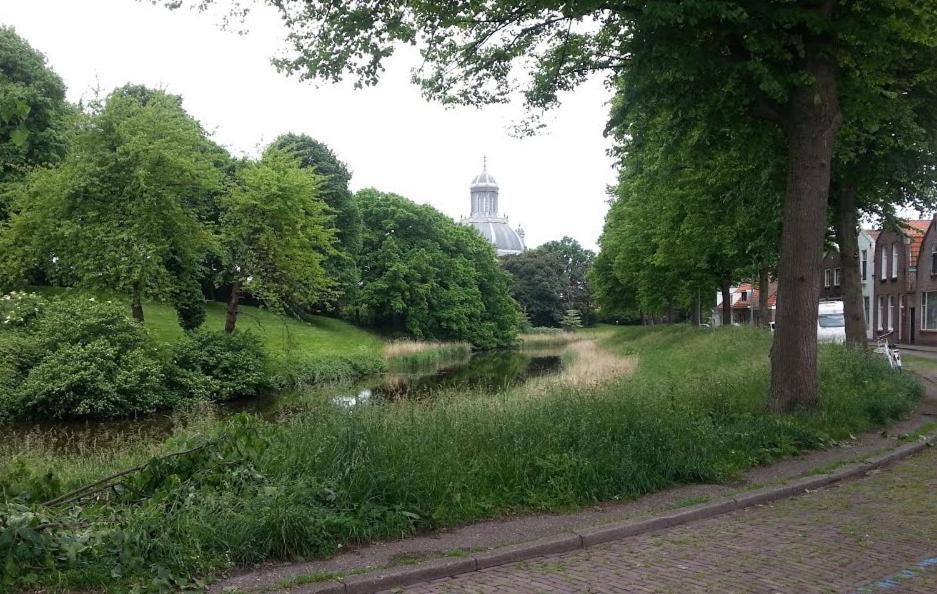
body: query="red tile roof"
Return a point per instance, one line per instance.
(754, 295)
(915, 232)
(873, 233)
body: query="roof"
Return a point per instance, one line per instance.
(754, 296)
(499, 233)
(484, 179)
(872, 233)
(916, 231)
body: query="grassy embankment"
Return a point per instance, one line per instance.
(692, 410)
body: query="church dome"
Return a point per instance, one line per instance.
(486, 218)
(484, 179)
(506, 240)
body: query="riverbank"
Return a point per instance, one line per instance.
(690, 410)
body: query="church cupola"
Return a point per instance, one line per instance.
(484, 191)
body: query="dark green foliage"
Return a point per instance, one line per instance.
(189, 303)
(32, 109)
(424, 275)
(577, 264)
(538, 285)
(82, 358)
(212, 365)
(341, 265)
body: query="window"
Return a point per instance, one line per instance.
(881, 313)
(744, 296)
(933, 261)
(826, 278)
(865, 264)
(891, 312)
(836, 274)
(894, 260)
(928, 311)
(882, 272)
(835, 320)
(865, 309)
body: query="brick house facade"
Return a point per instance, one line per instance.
(832, 286)
(896, 300)
(926, 306)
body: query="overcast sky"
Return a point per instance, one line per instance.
(553, 184)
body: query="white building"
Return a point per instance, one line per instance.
(486, 217)
(867, 238)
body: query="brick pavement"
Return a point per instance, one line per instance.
(877, 534)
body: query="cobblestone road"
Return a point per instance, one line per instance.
(877, 534)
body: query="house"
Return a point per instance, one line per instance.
(925, 322)
(746, 303)
(896, 253)
(832, 277)
(867, 238)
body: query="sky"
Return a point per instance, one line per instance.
(553, 184)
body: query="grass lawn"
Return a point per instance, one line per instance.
(282, 336)
(316, 349)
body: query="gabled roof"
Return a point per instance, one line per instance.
(872, 233)
(753, 296)
(915, 232)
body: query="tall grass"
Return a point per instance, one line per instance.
(692, 409)
(404, 355)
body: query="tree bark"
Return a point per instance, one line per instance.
(810, 126)
(764, 286)
(726, 303)
(136, 302)
(231, 316)
(846, 221)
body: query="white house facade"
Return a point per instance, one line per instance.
(867, 276)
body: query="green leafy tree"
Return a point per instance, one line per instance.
(429, 277)
(342, 264)
(276, 234)
(745, 60)
(33, 111)
(538, 285)
(577, 262)
(117, 212)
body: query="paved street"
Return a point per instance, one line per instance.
(878, 534)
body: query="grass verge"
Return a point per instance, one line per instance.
(692, 410)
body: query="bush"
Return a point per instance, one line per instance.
(189, 303)
(330, 368)
(80, 358)
(19, 308)
(217, 366)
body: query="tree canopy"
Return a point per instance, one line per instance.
(117, 212)
(32, 109)
(276, 233)
(539, 283)
(577, 264)
(333, 190)
(427, 276)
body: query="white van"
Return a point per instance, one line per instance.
(831, 323)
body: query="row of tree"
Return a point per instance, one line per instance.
(128, 193)
(828, 92)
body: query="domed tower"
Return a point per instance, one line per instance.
(486, 218)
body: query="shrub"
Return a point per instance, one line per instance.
(217, 366)
(19, 308)
(329, 368)
(80, 358)
(189, 303)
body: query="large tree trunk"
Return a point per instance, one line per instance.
(764, 286)
(726, 303)
(231, 316)
(810, 126)
(136, 302)
(846, 221)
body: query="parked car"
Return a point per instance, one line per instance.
(831, 323)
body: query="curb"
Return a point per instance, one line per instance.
(570, 541)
